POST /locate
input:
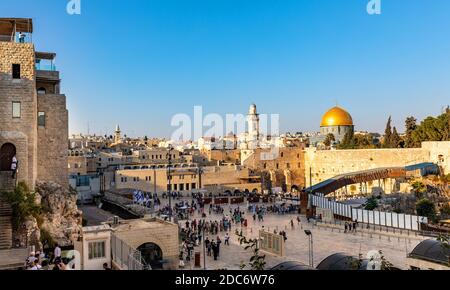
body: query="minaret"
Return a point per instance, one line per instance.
(117, 135)
(253, 123)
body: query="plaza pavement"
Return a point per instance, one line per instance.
(327, 241)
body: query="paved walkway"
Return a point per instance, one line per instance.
(327, 241)
(94, 215)
(12, 259)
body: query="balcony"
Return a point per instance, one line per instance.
(45, 66)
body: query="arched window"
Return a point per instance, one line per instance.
(41, 91)
(7, 152)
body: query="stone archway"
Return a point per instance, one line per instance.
(7, 152)
(152, 255)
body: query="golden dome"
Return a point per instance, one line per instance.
(337, 117)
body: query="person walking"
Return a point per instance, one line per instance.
(215, 250)
(227, 239)
(208, 246)
(57, 252)
(14, 163)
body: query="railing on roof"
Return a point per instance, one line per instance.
(45, 66)
(126, 257)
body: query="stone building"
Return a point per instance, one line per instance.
(224, 178)
(338, 122)
(284, 167)
(33, 114)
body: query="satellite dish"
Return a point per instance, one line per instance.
(374, 258)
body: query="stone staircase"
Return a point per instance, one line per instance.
(6, 182)
(5, 225)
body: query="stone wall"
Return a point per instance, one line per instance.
(52, 139)
(22, 131)
(325, 164)
(286, 165)
(164, 234)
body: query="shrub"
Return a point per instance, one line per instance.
(23, 204)
(426, 208)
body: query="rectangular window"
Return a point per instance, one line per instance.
(97, 250)
(16, 71)
(175, 187)
(16, 110)
(181, 187)
(41, 119)
(193, 186)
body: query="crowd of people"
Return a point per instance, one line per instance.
(49, 261)
(350, 227)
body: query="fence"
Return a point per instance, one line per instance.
(388, 219)
(126, 257)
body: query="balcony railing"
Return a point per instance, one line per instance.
(46, 67)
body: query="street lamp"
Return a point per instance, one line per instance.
(203, 245)
(170, 180)
(311, 254)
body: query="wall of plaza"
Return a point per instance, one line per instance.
(156, 180)
(325, 164)
(285, 165)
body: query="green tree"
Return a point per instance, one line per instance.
(411, 126)
(23, 204)
(395, 139)
(348, 142)
(329, 139)
(372, 203)
(419, 189)
(426, 208)
(388, 134)
(355, 263)
(385, 264)
(257, 261)
(433, 129)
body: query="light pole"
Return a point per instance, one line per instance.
(203, 245)
(169, 189)
(311, 249)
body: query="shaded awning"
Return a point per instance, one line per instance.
(9, 25)
(45, 55)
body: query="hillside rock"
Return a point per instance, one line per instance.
(61, 217)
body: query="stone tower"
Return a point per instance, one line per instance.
(33, 114)
(253, 123)
(117, 135)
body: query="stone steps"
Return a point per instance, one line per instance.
(6, 182)
(5, 225)
(12, 259)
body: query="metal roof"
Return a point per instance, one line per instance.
(432, 251)
(291, 265)
(340, 261)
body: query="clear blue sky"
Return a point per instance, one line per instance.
(139, 62)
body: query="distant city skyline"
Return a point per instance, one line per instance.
(138, 63)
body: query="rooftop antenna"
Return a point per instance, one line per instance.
(88, 129)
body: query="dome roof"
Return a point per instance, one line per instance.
(337, 117)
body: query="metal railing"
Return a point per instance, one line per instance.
(126, 257)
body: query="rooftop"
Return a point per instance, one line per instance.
(9, 26)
